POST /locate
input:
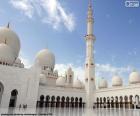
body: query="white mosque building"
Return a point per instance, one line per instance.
(41, 86)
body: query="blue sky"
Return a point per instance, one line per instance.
(62, 30)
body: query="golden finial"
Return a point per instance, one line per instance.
(8, 25)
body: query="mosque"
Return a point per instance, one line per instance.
(41, 86)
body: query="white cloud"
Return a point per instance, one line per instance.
(24, 6)
(102, 70)
(49, 11)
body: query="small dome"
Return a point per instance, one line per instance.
(78, 84)
(18, 61)
(60, 82)
(45, 58)
(103, 84)
(117, 81)
(69, 69)
(134, 77)
(43, 80)
(6, 54)
(56, 72)
(10, 38)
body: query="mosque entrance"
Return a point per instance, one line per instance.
(1, 91)
(13, 98)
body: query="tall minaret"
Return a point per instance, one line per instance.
(90, 65)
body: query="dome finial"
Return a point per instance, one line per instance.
(90, 3)
(116, 73)
(134, 70)
(8, 25)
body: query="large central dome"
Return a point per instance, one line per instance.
(45, 58)
(11, 39)
(9, 46)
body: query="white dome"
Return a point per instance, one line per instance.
(45, 58)
(69, 69)
(117, 81)
(103, 84)
(6, 54)
(56, 72)
(78, 84)
(43, 80)
(134, 77)
(60, 82)
(18, 61)
(10, 38)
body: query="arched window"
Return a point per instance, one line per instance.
(53, 98)
(137, 99)
(58, 98)
(63, 101)
(97, 99)
(67, 99)
(80, 99)
(42, 98)
(47, 98)
(1, 91)
(121, 99)
(13, 98)
(104, 99)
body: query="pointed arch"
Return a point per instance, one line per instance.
(13, 98)
(1, 92)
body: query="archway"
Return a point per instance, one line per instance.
(47, 101)
(13, 98)
(58, 101)
(131, 101)
(116, 102)
(137, 100)
(1, 91)
(41, 101)
(104, 102)
(100, 102)
(76, 102)
(97, 100)
(108, 102)
(112, 102)
(52, 101)
(63, 101)
(67, 101)
(121, 102)
(72, 102)
(126, 101)
(80, 102)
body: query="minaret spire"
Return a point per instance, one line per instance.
(89, 64)
(8, 25)
(90, 3)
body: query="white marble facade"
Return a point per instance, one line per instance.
(41, 85)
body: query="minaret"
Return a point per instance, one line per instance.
(89, 64)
